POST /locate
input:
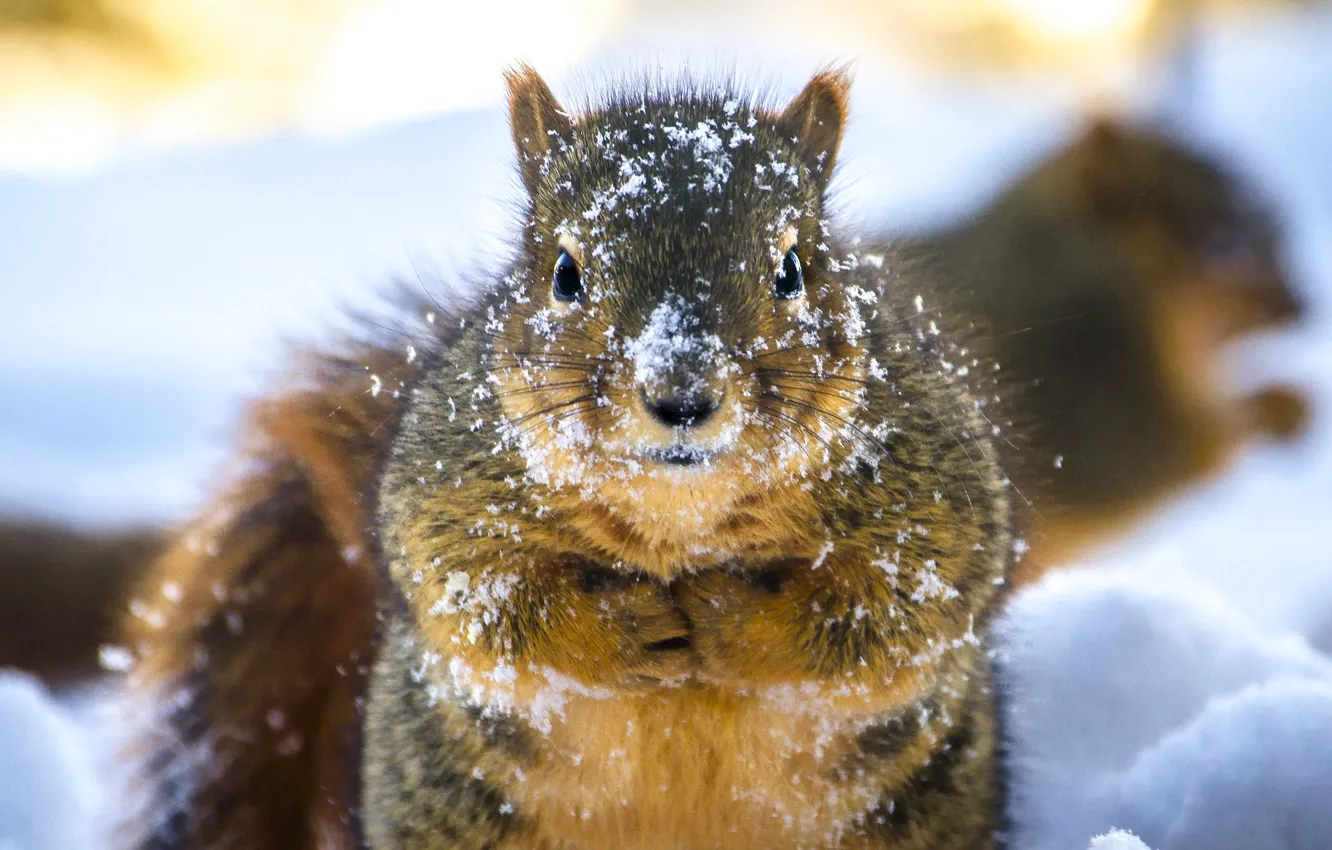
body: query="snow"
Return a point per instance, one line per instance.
(669, 341)
(1117, 839)
(47, 793)
(1147, 702)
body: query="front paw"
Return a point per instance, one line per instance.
(1280, 412)
(829, 627)
(629, 628)
(754, 627)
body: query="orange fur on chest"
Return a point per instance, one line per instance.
(695, 767)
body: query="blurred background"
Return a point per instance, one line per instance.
(187, 186)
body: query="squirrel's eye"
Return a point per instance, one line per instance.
(790, 280)
(567, 282)
(1229, 247)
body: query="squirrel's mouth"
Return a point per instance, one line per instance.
(681, 455)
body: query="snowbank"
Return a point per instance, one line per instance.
(47, 795)
(1117, 839)
(1147, 703)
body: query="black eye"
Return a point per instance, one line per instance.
(789, 281)
(1229, 247)
(567, 282)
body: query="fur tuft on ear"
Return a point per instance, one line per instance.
(536, 119)
(815, 119)
(1105, 172)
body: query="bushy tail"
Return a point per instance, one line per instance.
(254, 633)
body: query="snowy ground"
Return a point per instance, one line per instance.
(1179, 686)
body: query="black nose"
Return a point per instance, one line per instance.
(679, 410)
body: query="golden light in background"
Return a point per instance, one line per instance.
(1075, 21)
(82, 80)
(1032, 32)
(1079, 37)
(73, 91)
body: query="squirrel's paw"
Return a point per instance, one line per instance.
(750, 627)
(1279, 412)
(635, 634)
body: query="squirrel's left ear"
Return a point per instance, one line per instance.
(813, 122)
(537, 121)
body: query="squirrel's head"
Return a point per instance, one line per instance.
(1187, 223)
(672, 339)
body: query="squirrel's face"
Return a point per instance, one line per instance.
(1189, 225)
(674, 324)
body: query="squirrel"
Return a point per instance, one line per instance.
(1105, 284)
(684, 532)
(61, 591)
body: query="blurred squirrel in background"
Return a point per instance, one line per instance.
(1107, 283)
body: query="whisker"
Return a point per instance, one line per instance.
(536, 388)
(425, 290)
(810, 376)
(841, 420)
(399, 332)
(820, 392)
(970, 459)
(552, 356)
(808, 430)
(788, 437)
(470, 374)
(788, 350)
(564, 355)
(545, 410)
(564, 331)
(551, 420)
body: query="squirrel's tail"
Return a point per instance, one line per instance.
(254, 633)
(61, 590)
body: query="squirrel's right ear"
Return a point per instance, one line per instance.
(814, 120)
(537, 120)
(1107, 181)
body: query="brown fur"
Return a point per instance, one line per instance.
(256, 628)
(779, 646)
(1107, 282)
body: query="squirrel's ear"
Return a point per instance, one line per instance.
(814, 120)
(1105, 172)
(537, 120)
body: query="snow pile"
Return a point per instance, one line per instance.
(1117, 839)
(1147, 703)
(47, 796)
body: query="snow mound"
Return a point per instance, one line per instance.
(47, 795)
(1254, 770)
(1145, 702)
(1117, 839)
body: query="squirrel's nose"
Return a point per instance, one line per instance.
(682, 410)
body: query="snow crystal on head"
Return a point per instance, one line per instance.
(652, 166)
(650, 147)
(670, 339)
